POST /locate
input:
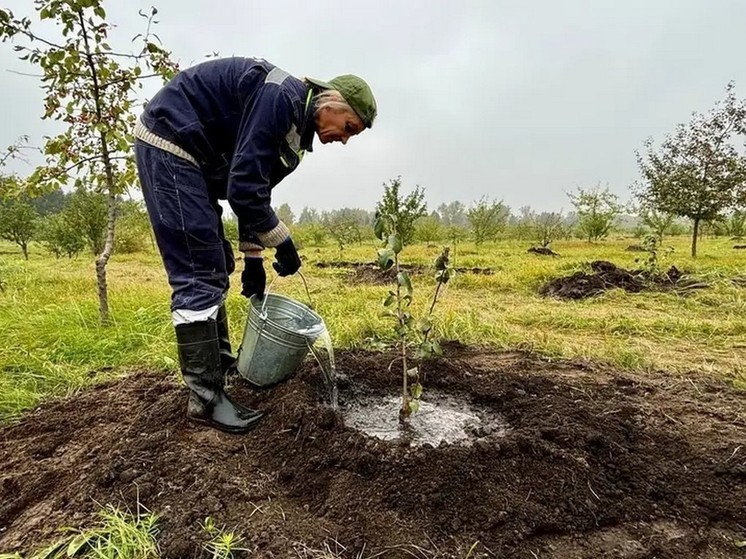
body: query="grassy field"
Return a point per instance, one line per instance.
(51, 342)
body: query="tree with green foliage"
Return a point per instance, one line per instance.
(698, 171)
(134, 232)
(92, 89)
(487, 218)
(542, 228)
(310, 234)
(547, 227)
(343, 228)
(453, 214)
(658, 222)
(428, 229)
(596, 209)
(309, 215)
(285, 214)
(60, 236)
(49, 203)
(736, 224)
(87, 211)
(405, 209)
(18, 220)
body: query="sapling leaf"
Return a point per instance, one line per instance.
(379, 228)
(390, 299)
(404, 281)
(407, 299)
(437, 349)
(425, 325)
(385, 258)
(395, 243)
(416, 391)
(414, 406)
(425, 350)
(413, 373)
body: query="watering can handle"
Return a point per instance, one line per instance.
(266, 292)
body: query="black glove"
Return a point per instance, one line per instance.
(253, 277)
(287, 261)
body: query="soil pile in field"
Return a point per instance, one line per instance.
(595, 464)
(606, 276)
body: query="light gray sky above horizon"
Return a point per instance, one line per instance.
(516, 101)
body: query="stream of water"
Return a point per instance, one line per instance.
(324, 353)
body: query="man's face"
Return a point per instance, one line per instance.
(333, 126)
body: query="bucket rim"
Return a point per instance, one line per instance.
(256, 305)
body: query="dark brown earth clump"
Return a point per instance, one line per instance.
(606, 276)
(542, 251)
(595, 464)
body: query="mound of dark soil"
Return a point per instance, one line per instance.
(606, 276)
(542, 251)
(596, 464)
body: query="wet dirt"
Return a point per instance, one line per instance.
(441, 419)
(606, 275)
(595, 464)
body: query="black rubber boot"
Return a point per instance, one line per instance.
(199, 357)
(227, 359)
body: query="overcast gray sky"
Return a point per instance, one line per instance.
(518, 101)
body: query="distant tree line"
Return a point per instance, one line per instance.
(68, 224)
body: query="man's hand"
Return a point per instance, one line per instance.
(287, 261)
(253, 277)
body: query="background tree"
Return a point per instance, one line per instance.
(736, 224)
(88, 212)
(133, 227)
(60, 236)
(453, 213)
(17, 222)
(343, 228)
(596, 210)
(285, 214)
(547, 227)
(428, 229)
(310, 234)
(697, 172)
(91, 88)
(487, 219)
(404, 209)
(658, 222)
(309, 215)
(49, 203)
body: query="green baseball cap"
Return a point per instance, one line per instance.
(356, 92)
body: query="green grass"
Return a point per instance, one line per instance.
(52, 343)
(116, 535)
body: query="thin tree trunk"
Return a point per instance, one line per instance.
(24, 248)
(695, 235)
(103, 260)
